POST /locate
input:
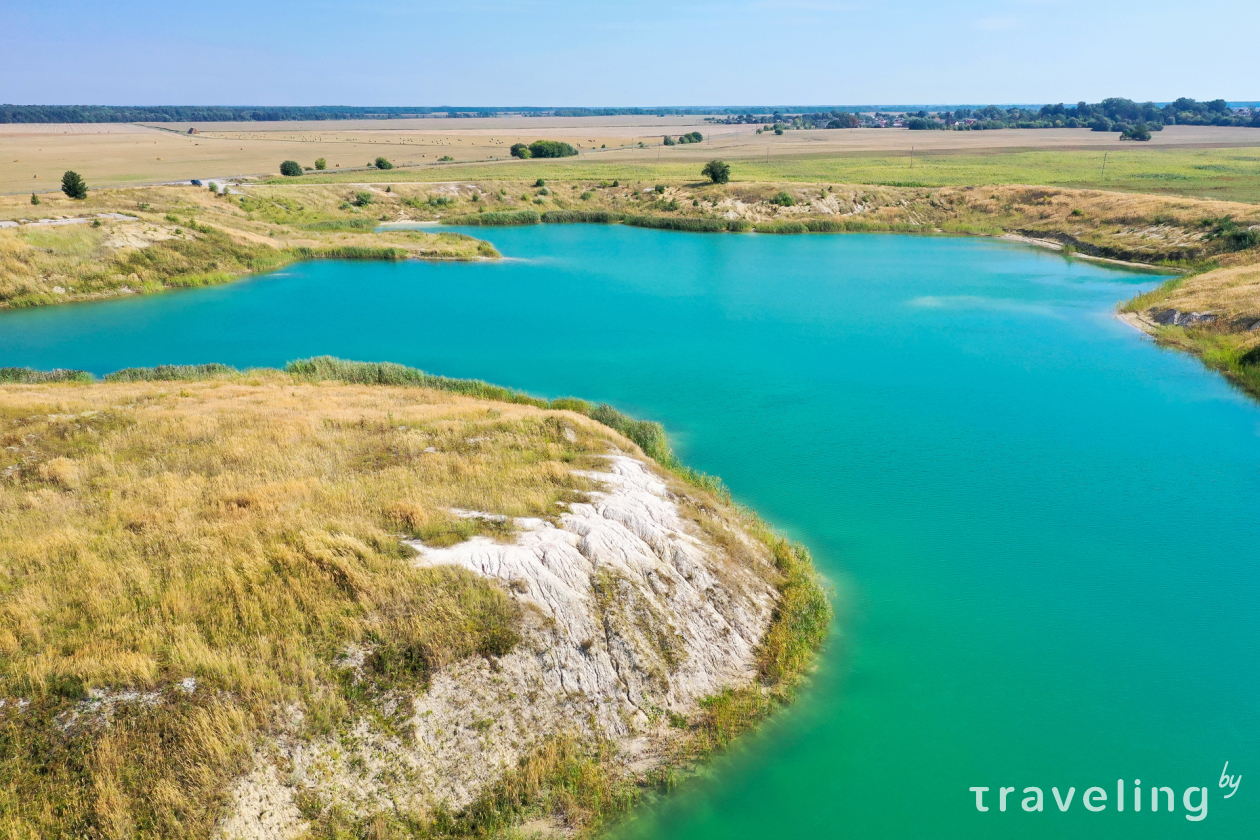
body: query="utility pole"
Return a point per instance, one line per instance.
(912, 157)
(1104, 170)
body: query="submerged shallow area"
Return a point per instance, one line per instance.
(1040, 526)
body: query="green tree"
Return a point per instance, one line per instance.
(717, 171)
(72, 185)
(320, 163)
(381, 163)
(1136, 132)
(290, 168)
(540, 183)
(551, 149)
(520, 150)
(34, 199)
(669, 141)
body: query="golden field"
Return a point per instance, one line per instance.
(34, 156)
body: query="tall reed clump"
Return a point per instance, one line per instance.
(497, 218)
(341, 224)
(825, 225)
(39, 377)
(590, 217)
(350, 252)
(690, 223)
(170, 373)
(329, 368)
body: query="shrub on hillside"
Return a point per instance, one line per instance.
(72, 185)
(783, 199)
(717, 171)
(290, 168)
(362, 199)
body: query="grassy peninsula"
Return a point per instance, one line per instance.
(142, 240)
(197, 556)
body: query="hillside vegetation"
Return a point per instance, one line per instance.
(191, 552)
(148, 239)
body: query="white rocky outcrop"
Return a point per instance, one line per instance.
(632, 612)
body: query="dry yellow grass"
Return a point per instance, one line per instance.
(241, 532)
(1233, 293)
(187, 563)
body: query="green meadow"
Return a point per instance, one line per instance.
(1229, 174)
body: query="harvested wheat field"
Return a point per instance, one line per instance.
(123, 154)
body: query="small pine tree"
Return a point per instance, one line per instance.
(73, 186)
(34, 199)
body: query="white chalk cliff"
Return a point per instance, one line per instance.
(632, 611)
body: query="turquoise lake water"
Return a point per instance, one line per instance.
(1042, 529)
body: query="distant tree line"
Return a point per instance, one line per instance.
(196, 113)
(1114, 114)
(266, 113)
(1109, 115)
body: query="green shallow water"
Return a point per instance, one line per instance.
(1042, 529)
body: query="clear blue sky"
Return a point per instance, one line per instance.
(650, 52)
